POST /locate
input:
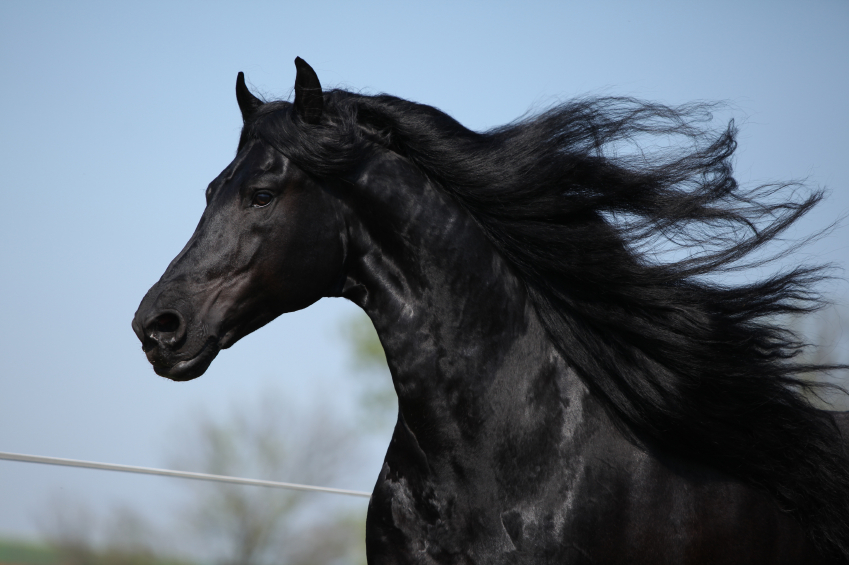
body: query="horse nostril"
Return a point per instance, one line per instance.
(165, 328)
(166, 323)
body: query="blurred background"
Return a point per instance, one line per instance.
(114, 116)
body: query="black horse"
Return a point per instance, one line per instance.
(566, 394)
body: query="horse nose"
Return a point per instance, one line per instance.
(137, 329)
(167, 328)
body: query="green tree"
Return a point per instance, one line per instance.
(77, 536)
(378, 401)
(268, 439)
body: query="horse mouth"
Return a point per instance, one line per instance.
(189, 369)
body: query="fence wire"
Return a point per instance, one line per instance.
(178, 474)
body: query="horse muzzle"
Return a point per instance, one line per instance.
(177, 346)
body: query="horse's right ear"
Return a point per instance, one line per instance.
(248, 103)
(309, 103)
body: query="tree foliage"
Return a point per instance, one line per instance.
(378, 402)
(269, 439)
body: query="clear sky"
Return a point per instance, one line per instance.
(115, 116)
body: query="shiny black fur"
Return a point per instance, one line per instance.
(564, 395)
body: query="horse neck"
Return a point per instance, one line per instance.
(460, 334)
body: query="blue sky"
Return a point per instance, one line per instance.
(115, 116)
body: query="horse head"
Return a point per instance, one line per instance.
(269, 242)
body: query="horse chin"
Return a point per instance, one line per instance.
(190, 368)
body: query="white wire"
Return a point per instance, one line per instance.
(170, 473)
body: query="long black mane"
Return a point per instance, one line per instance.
(699, 367)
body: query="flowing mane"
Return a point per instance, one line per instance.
(686, 364)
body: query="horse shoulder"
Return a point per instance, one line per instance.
(636, 504)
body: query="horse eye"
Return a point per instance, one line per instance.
(261, 199)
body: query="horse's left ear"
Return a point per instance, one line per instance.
(248, 103)
(309, 103)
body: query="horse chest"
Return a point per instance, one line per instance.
(609, 503)
(459, 510)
